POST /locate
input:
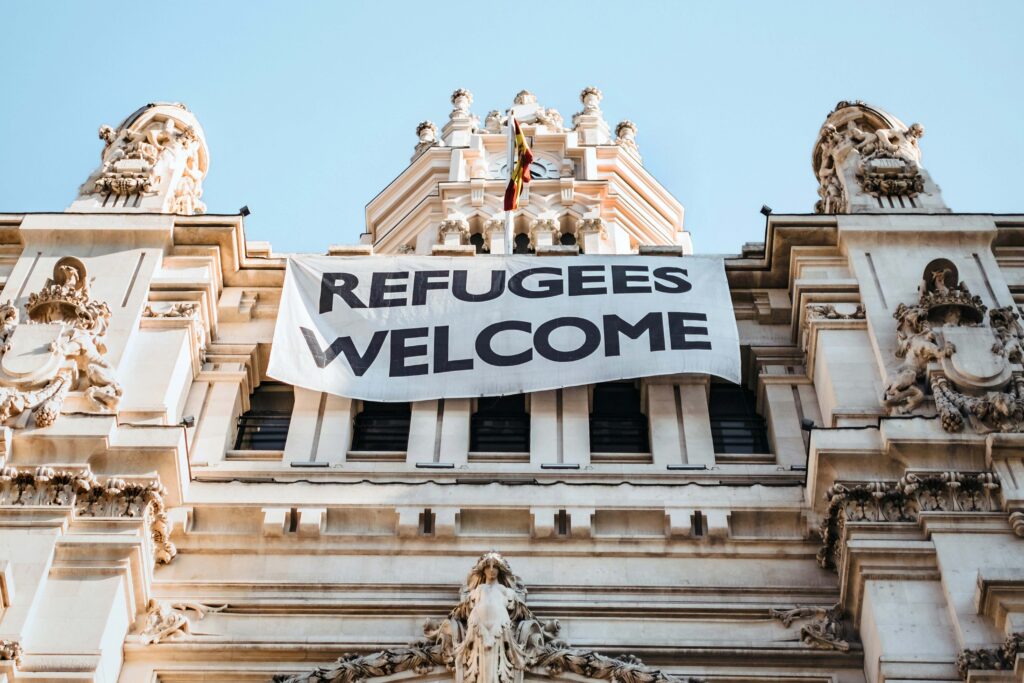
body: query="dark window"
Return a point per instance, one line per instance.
(617, 424)
(382, 427)
(264, 427)
(477, 240)
(500, 425)
(735, 425)
(567, 239)
(521, 244)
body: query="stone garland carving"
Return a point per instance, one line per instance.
(991, 659)
(901, 501)
(170, 621)
(10, 651)
(70, 325)
(971, 369)
(115, 498)
(830, 312)
(491, 636)
(826, 631)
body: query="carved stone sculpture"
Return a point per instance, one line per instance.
(65, 320)
(991, 659)
(525, 97)
(79, 489)
(862, 150)
(179, 309)
(972, 370)
(170, 621)
(156, 151)
(453, 231)
(491, 636)
(825, 631)
(833, 312)
(118, 498)
(10, 651)
(902, 501)
(493, 121)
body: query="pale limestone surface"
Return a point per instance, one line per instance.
(893, 554)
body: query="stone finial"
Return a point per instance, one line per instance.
(525, 97)
(461, 101)
(625, 137)
(154, 161)
(591, 98)
(868, 161)
(426, 132)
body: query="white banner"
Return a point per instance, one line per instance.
(410, 328)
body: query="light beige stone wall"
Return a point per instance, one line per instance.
(226, 565)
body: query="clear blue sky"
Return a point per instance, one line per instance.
(310, 108)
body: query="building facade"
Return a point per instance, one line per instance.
(851, 512)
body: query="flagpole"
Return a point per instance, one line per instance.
(511, 151)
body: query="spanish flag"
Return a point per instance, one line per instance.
(521, 170)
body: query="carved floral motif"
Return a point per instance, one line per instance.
(825, 631)
(115, 498)
(491, 636)
(901, 501)
(65, 319)
(179, 309)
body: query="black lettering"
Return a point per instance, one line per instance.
(677, 285)
(379, 287)
(546, 289)
(488, 355)
(441, 361)
(425, 280)
(591, 339)
(459, 286)
(621, 280)
(578, 278)
(341, 284)
(650, 324)
(678, 331)
(359, 363)
(401, 351)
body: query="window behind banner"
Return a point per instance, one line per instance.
(735, 425)
(500, 424)
(617, 423)
(264, 427)
(382, 427)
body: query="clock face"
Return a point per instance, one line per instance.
(540, 169)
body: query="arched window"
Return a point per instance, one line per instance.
(477, 240)
(500, 424)
(735, 425)
(617, 425)
(382, 427)
(521, 244)
(264, 427)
